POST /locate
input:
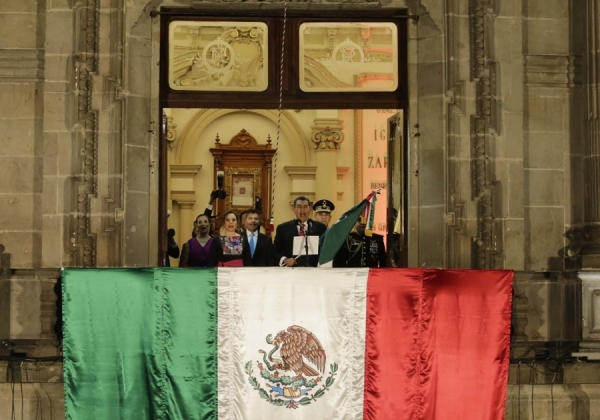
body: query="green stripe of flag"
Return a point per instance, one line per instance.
(335, 236)
(140, 343)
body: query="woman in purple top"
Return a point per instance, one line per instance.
(196, 251)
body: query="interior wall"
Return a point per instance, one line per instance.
(196, 131)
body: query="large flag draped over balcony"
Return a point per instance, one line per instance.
(272, 343)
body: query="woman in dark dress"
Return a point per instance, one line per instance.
(196, 251)
(229, 248)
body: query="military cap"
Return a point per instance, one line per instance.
(323, 206)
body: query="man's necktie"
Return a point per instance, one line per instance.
(302, 229)
(252, 244)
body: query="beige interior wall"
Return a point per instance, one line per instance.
(196, 132)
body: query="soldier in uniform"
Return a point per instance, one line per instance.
(323, 209)
(360, 250)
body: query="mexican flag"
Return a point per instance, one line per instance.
(334, 237)
(271, 343)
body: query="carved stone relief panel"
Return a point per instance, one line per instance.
(222, 56)
(346, 57)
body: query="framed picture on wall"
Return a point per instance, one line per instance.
(243, 186)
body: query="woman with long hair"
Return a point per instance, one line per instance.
(196, 251)
(229, 248)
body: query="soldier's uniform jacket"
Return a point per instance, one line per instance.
(361, 251)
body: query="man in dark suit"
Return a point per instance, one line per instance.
(361, 250)
(283, 247)
(259, 244)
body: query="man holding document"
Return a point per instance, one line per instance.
(297, 241)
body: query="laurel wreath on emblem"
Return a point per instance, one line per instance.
(296, 346)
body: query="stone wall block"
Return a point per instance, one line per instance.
(431, 193)
(57, 87)
(138, 120)
(52, 245)
(19, 245)
(59, 37)
(16, 174)
(19, 6)
(545, 151)
(430, 240)
(547, 401)
(550, 302)
(25, 322)
(61, 4)
(137, 229)
(504, 37)
(40, 401)
(139, 72)
(547, 36)
(57, 67)
(431, 76)
(18, 30)
(548, 70)
(16, 211)
(511, 76)
(546, 114)
(510, 143)
(18, 136)
(50, 156)
(67, 153)
(430, 128)
(546, 187)
(56, 111)
(431, 50)
(515, 197)
(547, 9)
(514, 245)
(545, 241)
(21, 98)
(138, 162)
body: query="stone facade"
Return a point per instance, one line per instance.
(504, 171)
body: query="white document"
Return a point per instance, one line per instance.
(300, 245)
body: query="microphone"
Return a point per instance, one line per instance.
(220, 179)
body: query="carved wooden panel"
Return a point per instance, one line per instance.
(247, 167)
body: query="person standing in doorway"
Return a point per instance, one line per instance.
(259, 244)
(323, 209)
(301, 225)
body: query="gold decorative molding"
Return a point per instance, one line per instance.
(184, 197)
(327, 134)
(301, 172)
(184, 171)
(171, 132)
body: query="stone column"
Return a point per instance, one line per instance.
(185, 201)
(186, 218)
(591, 157)
(327, 135)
